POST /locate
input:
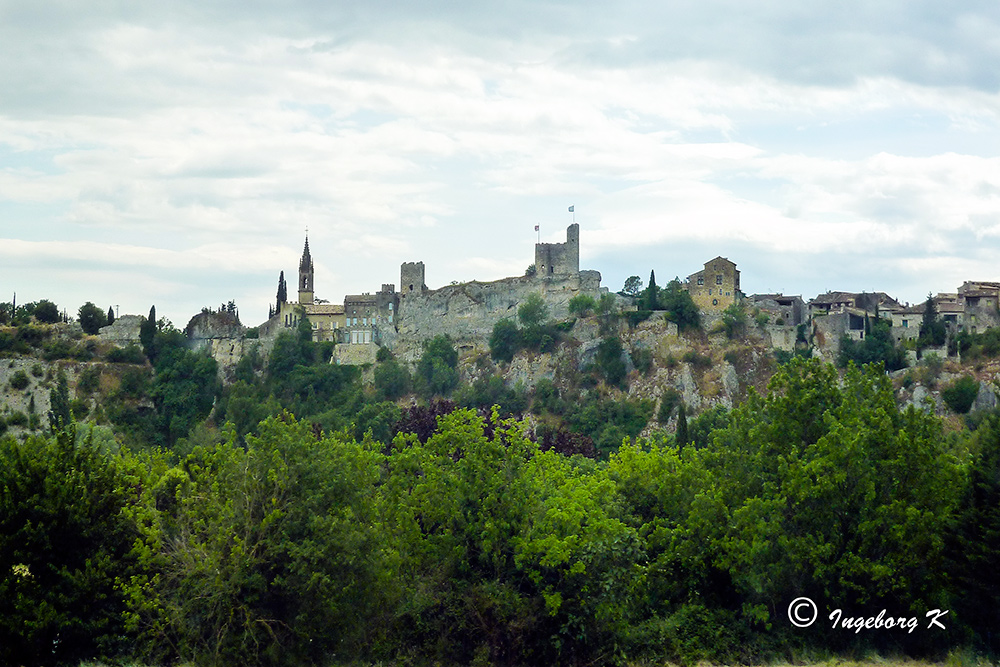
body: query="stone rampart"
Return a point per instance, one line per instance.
(468, 311)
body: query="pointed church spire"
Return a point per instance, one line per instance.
(306, 295)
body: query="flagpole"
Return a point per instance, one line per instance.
(572, 209)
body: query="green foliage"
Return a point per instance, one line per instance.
(634, 317)
(681, 309)
(975, 540)
(697, 360)
(582, 305)
(47, 312)
(642, 359)
(485, 393)
(505, 341)
(269, 556)
(91, 318)
(392, 379)
(608, 422)
(130, 354)
(533, 312)
(933, 331)
(67, 558)
(437, 369)
(610, 361)
(19, 380)
(147, 334)
(632, 287)
(877, 347)
(734, 321)
(60, 415)
(669, 401)
(961, 394)
(682, 438)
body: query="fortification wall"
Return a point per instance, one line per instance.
(467, 312)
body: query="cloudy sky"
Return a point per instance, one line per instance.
(175, 153)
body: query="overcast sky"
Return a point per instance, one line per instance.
(175, 153)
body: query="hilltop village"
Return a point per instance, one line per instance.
(403, 320)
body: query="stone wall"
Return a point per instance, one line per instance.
(468, 311)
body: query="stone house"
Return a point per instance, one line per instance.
(783, 310)
(715, 287)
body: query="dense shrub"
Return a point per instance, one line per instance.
(19, 380)
(961, 394)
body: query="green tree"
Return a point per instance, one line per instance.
(533, 312)
(437, 369)
(610, 361)
(270, 555)
(147, 334)
(68, 545)
(47, 312)
(392, 379)
(933, 331)
(680, 308)
(60, 416)
(111, 315)
(975, 541)
(682, 426)
(651, 296)
(878, 346)
(961, 394)
(734, 321)
(505, 341)
(91, 318)
(582, 304)
(632, 287)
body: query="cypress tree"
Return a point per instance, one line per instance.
(147, 333)
(682, 426)
(652, 293)
(111, 315)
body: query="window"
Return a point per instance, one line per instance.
(715, 302)
(906, 324)
(718, 279)
(390, 305)
(701, 280)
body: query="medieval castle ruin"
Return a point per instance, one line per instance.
(403, 320)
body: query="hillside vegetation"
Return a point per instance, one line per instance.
(607, 489)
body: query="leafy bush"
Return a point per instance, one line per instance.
(130, 354)
(697, 360)
(669, 400)
(610, 361)
(505, 341)
(437, 369)
(19, 380)
(961, 394)
(642, 359)
(582, 305)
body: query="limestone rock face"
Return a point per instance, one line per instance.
(123, 331)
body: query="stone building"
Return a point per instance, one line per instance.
(327, 319)
(559, 259)
(368, 315)
(716, 287)
(783, 310)
(979, 302)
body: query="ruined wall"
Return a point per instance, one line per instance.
(468, 311)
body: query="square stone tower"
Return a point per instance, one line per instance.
(559, 258)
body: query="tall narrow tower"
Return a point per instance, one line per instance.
(306, 295)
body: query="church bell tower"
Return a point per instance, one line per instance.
(306, 295)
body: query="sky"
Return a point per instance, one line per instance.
(176, 154)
